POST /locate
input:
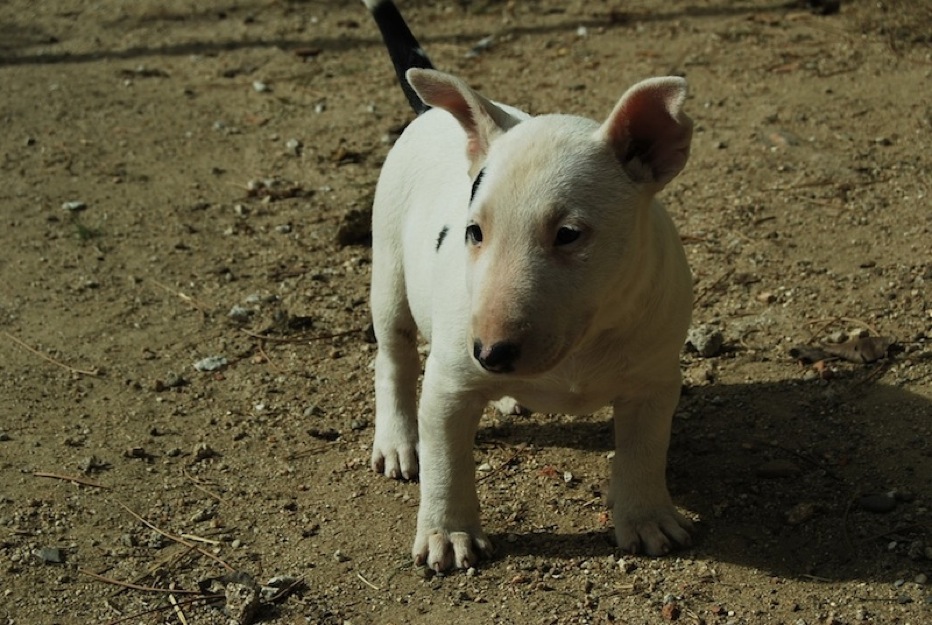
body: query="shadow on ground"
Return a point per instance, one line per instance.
(777, 473)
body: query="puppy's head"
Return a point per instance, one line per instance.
(558, 215)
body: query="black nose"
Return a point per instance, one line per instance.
(500, 358)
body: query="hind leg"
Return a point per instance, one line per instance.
(397, 365)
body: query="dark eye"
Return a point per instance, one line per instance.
(473, 234)
(566, 235)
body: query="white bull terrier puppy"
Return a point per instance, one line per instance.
(530, 253)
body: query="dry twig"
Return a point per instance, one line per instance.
(93, 373)
(69, 478)
(132, 586)
(177, 539)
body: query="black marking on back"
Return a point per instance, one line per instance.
(403, 49)
(475, 185)
(442, 236)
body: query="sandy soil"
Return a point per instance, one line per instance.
(222, 157)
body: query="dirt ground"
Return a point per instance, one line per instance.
(190, 180)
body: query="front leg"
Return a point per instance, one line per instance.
(645, 519)
(449, 533)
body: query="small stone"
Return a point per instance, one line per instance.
(173, 380)
(260, 87)
(135, 452)
(485, 467)
(243, 597)
(801, 512)
(293, 147)
(203, 451)
(283, 228)
(320, 107)
(205, 514)
(921, 579)
(92, 464)
(705, 340)
(777, 469)
(357, 425)
(211, 363)
(339, 556)
(4, 437)
(50, 555)
(766, 297)
(74, 206)
(240, 313)
(627, 565)
(471, 572)
(670, 611)
(877, 502)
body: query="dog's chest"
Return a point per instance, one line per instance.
(578, 387)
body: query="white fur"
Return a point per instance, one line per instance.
(599, 320)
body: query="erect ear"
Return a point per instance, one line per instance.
(480, 118)
(648, 131)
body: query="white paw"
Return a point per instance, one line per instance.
(396, 457)
(442, 550)
(652, 532)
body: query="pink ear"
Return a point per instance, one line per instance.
(648, 132)
(479, 117)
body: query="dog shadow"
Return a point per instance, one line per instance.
(800, 479)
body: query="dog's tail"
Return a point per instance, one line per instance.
(403, 48)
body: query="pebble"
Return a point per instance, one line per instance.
(211, 363)
(707, 341)
(203, 451)
(339, 556)
(4, 437)
(878, 503)
(240, 313)
(173, 380)
(74, 206)
(801, 512)
(50, 555)
(293, 146)
(283, 228)
(670, 611)
(243, 598)
(485, 467)
(260, 87)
